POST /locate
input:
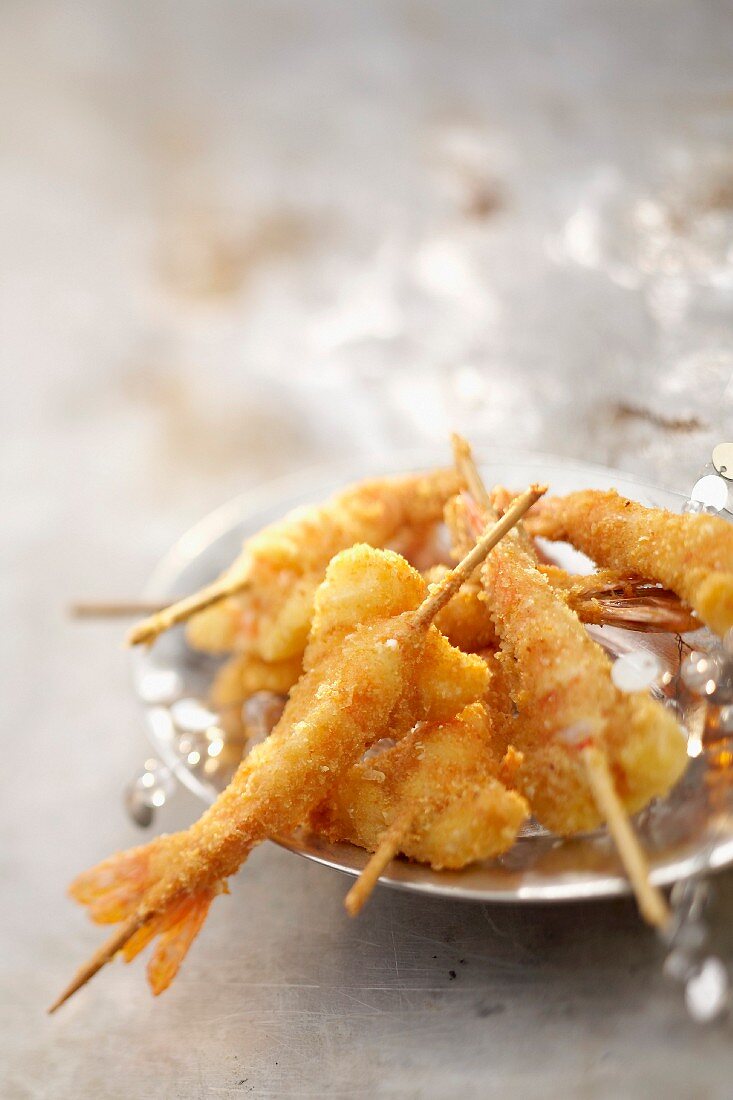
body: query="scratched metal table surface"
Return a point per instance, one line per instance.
(241, 238)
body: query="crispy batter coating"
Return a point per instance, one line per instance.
(359, 683)
(445, 772)
(562, 686)
(280, 568)
(690, 554)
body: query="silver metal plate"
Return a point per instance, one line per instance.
(683, 835)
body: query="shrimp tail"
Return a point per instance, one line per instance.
(179, 927)
(113, 890)
(118, 890)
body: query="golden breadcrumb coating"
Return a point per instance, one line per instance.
(446, 772)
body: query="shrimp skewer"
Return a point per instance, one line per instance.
(690, 554)
(441, 769)
(392, 670)
(561, 682)
(276, 575)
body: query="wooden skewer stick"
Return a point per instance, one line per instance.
(467, 469)
(149, 629)
(452, 581)
(102, 956)
(389, 847)
(393, 837)
(651, 901)
(111, 609)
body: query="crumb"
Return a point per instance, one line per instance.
(452, 974)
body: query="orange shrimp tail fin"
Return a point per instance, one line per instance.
(178, 930)
(113, 890)
(123, 889)
(178, 926)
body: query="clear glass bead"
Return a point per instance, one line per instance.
(707, 992)
(148, 791)
(193, 748)
(215, 737)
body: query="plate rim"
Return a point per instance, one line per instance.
(592, 888)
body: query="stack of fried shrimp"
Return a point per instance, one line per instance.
(428, 714)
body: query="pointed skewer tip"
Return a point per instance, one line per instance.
(99, 959)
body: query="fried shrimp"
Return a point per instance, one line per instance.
(385, 674)
(444, 772)
(268, 591)
(561, 683)
(690, 554)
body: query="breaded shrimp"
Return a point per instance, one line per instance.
(269, 589)
(445, 772)
(690, 554)
(562, 686)
(389, 672)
